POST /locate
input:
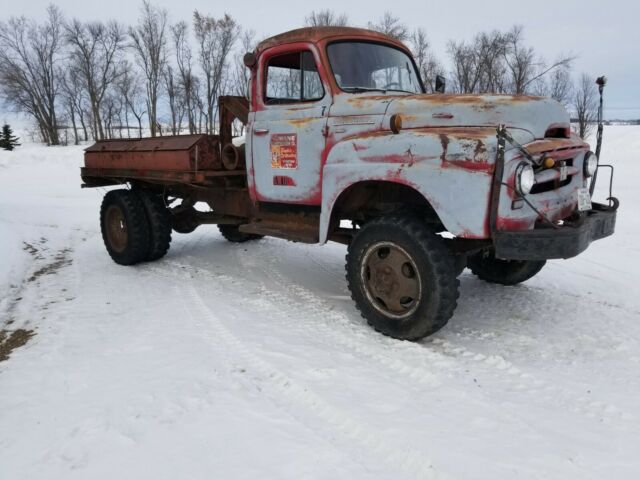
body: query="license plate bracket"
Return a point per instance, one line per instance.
(584, 200)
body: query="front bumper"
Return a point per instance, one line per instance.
(564, 242)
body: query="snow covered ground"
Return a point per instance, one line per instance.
(227, 361)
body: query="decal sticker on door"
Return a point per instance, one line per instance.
(284, 150)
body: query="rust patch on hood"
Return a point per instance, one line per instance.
(472, 99)
(361, 102)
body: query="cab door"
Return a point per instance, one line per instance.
(287, 128)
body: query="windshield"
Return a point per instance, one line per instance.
(364, 66)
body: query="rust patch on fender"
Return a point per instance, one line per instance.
(358, 147)
(472, 158)
(444, 141)
(472, 133)
(472, 165)
(511, 224)
(481, 150)
(407, 158)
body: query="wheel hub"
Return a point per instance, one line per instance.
(116, 228)
(390, 278)
(384, 280)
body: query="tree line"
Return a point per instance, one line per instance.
(102, 79)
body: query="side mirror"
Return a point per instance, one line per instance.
(249, 59)
(440, 83)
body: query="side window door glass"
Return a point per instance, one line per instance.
(311, 84)
(293, 78)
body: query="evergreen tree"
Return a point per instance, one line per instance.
(7, 140)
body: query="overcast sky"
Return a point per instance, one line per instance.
(604, 34)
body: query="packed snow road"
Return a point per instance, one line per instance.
(249, 360)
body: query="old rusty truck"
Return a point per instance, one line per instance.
(342, 143)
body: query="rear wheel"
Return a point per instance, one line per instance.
(233, 234)
(159, 224)
(402, 277)
(124, 226)
(504, 272)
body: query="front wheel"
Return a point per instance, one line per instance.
(402, 277)
(504, 272)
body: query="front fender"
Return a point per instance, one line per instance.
(451, 168)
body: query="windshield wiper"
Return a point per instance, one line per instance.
(399, 90)
(363, 89)
(367, 89)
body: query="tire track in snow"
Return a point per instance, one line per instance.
(499, 368)
(286, 302)
(530, 385)
(285, 388)
(436, 354)
(578, 403)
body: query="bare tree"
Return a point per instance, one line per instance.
(175, 96)
(556, 85)
(465, 70)
(95, 51)
(29, 75)
(519, 60)
(560, 85)
(478, 66)
(200, 106)
(521, 64)
(391, 26)
(129, 88)
(499, 62)
(111, 108)
(585, 105)
(241, 72)
(184, 64)
(149, 45)
(326, 18)
(71, 97)
(216, 38)
(428, 65)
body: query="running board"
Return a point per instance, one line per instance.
(295, 232)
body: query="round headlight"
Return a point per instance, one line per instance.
(525, 178)
(590, 164)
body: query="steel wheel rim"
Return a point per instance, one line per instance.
(116, 228)
(391, 280)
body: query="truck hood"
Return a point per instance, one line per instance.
(532, 114)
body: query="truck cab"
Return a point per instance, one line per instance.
(343, 143)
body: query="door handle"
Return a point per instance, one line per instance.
(260, 131)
